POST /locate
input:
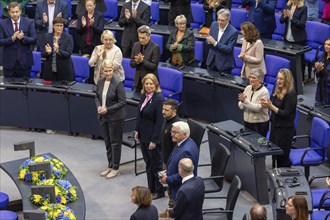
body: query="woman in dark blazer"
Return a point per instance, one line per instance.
(142, 197)
(295, 16)
(181, 44)
(58, 50)
(148, 126)
(110, 103)
(90, 26)
(283, 112)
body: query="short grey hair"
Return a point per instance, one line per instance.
(183, 127)
(224, 12)
(258, 73)
(180, 18)
(186, 165)
(144, 29)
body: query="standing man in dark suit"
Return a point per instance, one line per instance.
(145, 56)
(17, 35)
(262, 15)
(133, 15)
(46, 11)
(185, 148)
(180, 7)
(222, 39)
(110, 103)
(190, 197)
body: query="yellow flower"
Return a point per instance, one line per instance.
(72, 216)
(39, 159)
(22, 174)
(63, 200)
(37, 197)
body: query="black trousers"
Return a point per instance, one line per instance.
(112, 132)
(153, 161)
(262, 127)
(17, 71)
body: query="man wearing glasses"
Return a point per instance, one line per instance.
(222, 38)
(185, 148)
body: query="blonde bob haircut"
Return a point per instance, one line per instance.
(154, 79)
(180, 18)
(108, 33)
(107, 63)
(300, 3)
(288, 84)
(143, 197)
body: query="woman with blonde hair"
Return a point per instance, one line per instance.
(252, 53)
(147, 132)
(283, 112)
(141, 196)
(297, 208)
(110, 51)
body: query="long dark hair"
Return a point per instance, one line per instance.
(325, 54)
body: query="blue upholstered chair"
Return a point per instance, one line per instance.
(238, 62)
(198, 15)
(154, 12)
(81, 68)
(36, 68)
(280, 5)
(69, 7)
(199, 52)
(158, 39)
(313, 155)
(170, 82)
(279, 30)
(321, 214)
(111, 13)
(317, 32)
(129, 74)
(236, 4)
(8, 215)
(273, 65)
(238, 16)
(4, 200)
(320, 197)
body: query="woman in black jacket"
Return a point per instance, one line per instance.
(283, 112)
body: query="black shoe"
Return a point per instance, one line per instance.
(158, 196)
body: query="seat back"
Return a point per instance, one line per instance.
(199, 52)
(236, 4)
(317, 32)
(320, 135)
(273, 65)
(170, 82)
(154, 12)
(279, 30)
(68, 2)
(129, 73)
(237, 17)
(81, 68)
(198, 15)
(232, 195)
(158, 39)
(111, 13)
(238, 62)
(36, 68)
(219, 163)
(196, 131)
(280, 5)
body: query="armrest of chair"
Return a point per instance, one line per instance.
(85, 80)
(175, 93)
(324, 198)
(310, 149)
(295, 138)
(316, 177)
(213, 177)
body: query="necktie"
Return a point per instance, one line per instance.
(16, 26)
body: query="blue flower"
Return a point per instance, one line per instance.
(65, 184)
(45, 156)
(68, 196)
(28, 177)
(57, 173)
(66, 218)
(27, 163)
(58, 199)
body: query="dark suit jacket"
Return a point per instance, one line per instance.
(263, 16)
(115, 101)
(130, 35)
(188, 149)
(186, 46)
(150, 61)
(178, 7)
(81, 8)
(167, 143)
(20, 49)
(145, 213)
(150, 119)
(65, 70)
(189, 200)
(96, 29)
(223, 51)
(41, 28)
(298, 24)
